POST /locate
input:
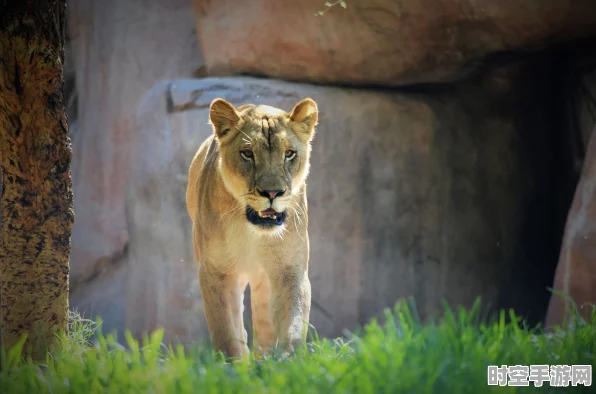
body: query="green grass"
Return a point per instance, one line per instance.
(399, 356)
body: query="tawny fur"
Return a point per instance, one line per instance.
(232, 252)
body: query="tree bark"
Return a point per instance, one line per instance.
(36, 195)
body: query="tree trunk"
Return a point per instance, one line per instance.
(36, 195)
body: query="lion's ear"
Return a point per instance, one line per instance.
(306, 113)
(223, 117)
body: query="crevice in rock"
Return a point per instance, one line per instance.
(101, 266)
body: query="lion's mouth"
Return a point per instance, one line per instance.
(267, 218)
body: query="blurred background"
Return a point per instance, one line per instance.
(452, 159)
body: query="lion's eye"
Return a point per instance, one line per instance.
(290, 154)
(246, 154)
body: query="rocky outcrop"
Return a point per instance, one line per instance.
(447, 191)
(381, 42)
(117, 56)
(575, 277)
(435, 196)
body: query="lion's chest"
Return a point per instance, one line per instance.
(244, 250)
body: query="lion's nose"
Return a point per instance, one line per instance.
(271, 194)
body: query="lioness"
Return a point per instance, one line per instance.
(246, 197)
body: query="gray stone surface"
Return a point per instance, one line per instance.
(432, 196)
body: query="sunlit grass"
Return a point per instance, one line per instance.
(401, 355)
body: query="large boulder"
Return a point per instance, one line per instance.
(119, 48)
(381, 42)
(575, 278)
(441, 196)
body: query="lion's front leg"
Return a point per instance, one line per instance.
(260, 294)
(290, 306)
(222, 297)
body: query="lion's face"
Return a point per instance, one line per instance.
(265, 156)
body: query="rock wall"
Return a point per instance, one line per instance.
(439, 191)
(379, 42)
(120, 48)
(435, 196)
(576, 271)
